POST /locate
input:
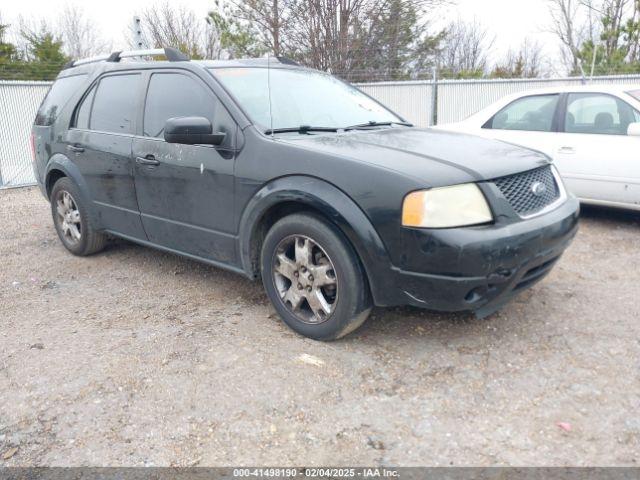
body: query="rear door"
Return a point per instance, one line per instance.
(99, 143)
(597, 158)
(186, 192)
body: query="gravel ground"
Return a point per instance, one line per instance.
(136, 357)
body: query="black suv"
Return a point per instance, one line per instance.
(285, 173)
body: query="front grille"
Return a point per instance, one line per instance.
(519, 189)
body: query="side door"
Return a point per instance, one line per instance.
(597, 158)
(185, 192)
(530, 121)
(99, 142)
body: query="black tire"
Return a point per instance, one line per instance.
(90, 240)
(333, 255)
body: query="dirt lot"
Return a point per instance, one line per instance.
(136, 357)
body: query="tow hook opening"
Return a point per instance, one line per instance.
(495, 279)
(475, 294)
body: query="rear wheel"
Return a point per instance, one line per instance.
(314, 278)
(72, 220)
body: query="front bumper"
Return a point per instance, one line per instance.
(480, 268)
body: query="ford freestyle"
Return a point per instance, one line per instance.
(288, 174)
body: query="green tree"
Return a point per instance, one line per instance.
(396, 46)
(10, 65)
(45, 57)
(8, 51)
(235, 36)
(615, 46)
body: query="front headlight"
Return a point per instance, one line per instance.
(446, 207)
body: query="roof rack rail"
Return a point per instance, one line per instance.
(172, 54)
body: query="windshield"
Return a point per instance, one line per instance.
(635, 94)
(300, 97)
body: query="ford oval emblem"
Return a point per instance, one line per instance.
(538, 188)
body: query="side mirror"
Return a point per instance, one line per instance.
(633, 130)
(191, 131)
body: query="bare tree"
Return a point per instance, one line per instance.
(354, 38)
(80, 34)
(269, 19)
(525, 62)
(328, 34)
(166, 26)
(466, 48)
(570, 29)
(611, 14)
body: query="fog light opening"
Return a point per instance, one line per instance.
(475, 295)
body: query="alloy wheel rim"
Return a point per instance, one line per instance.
(68, 217)
(305, 279)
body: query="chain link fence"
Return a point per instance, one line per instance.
(423, 103)
(412, 100)
(457, 99)
(19, 102)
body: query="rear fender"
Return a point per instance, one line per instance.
(62, 163)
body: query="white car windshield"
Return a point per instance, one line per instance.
(300, 98)
(635, 94)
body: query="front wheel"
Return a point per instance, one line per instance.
(314, 278)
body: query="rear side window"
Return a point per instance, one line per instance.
(59, 94)
(533, 114)
(599, 114)
(114, 105)
(174, 95)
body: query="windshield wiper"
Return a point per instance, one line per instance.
(371, 123)
(301, 129)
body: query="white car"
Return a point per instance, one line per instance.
(591, 132)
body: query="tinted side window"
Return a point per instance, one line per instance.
(114, 105)
(82, 115)
(598, 114)
(533, 113)
(175, 95)
(59, 94)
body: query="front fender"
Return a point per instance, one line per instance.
(70, 169)
(336, 206)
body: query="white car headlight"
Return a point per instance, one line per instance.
(446, 207)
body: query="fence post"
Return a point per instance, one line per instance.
(434, 98)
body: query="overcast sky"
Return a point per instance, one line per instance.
(511, 21)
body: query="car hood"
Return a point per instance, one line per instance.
(435, 157)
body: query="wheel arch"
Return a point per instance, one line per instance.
(294, 194)
(60, 166)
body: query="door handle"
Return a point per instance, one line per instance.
(567, 150)
(75, 148)
(148, 160)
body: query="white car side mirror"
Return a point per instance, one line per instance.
(634, 129)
